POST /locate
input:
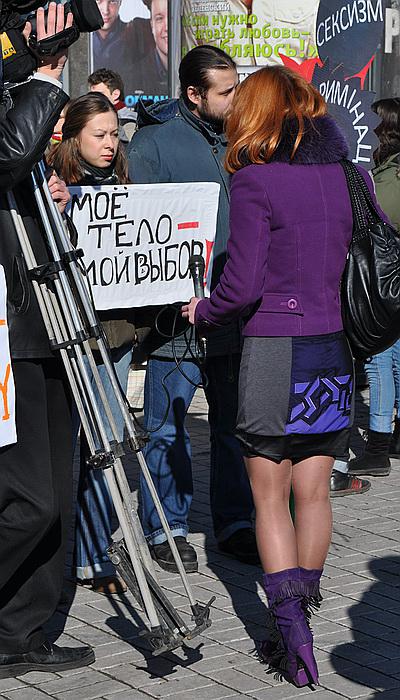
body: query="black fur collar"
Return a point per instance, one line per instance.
(323, 142)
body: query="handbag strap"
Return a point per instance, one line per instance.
(364, 209)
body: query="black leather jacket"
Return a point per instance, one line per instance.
(25, 130)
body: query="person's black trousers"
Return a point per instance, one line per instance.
(35, 504)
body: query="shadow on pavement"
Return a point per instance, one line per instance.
(375, 625)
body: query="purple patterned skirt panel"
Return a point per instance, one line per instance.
(294, 386)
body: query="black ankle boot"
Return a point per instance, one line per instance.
(394, 449)
(375, 460)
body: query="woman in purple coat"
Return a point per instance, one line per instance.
(291, 226)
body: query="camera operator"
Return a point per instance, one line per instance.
(36, 472)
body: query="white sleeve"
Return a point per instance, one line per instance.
(47, 79)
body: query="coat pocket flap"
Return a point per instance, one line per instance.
(281, 304)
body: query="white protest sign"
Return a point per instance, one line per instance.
(137, 239)
(8, 433)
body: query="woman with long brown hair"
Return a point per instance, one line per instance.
(290, 230)
(90, 153)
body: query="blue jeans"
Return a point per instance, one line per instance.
(94, 505)
(168, 454)
(383, 372)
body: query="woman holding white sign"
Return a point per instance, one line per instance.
(91, 154)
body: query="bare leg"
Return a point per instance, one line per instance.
(283, 548)
(276, 536)
(310, 483)
(280, 545)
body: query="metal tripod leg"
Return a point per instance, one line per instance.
(69, 323)
(48, 304)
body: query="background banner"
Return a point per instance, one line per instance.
(254, 33)
(348, 33)
(350, 105)
(8, 434)
(138, 239)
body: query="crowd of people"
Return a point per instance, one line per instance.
(280, 379)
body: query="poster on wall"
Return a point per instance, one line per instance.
(350, 105)
(134, 43)
(348, 33)
(253, 32)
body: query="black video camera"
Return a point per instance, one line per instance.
(20, 59)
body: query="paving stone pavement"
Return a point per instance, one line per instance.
(357, 630)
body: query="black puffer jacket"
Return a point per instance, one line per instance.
(25, 130)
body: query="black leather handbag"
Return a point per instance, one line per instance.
(370, 288)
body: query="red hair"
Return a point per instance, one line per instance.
(259, 109)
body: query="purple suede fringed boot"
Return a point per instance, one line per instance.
(286, 590)
(312, 600)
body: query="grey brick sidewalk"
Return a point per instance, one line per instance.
(357, 630)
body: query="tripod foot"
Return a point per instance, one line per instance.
(201, 616)
(162, 640)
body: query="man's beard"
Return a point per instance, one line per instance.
(214, 120)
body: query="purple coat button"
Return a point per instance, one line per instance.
(292, 304)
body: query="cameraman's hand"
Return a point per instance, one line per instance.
(56, 22)
(59, 191)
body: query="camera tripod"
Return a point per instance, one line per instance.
(73, 327)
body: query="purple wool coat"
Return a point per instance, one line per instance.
(290, 230)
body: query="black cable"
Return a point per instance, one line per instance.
(177, 360)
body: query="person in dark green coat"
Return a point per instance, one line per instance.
(383, 370)
(387, 185)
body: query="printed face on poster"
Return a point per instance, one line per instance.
(137, 240)
(134, 43)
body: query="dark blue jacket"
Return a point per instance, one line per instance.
(172, 145)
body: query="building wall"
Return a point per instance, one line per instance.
(78, 67)
(388, 72)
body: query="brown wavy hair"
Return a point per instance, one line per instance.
(65, 157)
(262, 104)
(388, 130)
